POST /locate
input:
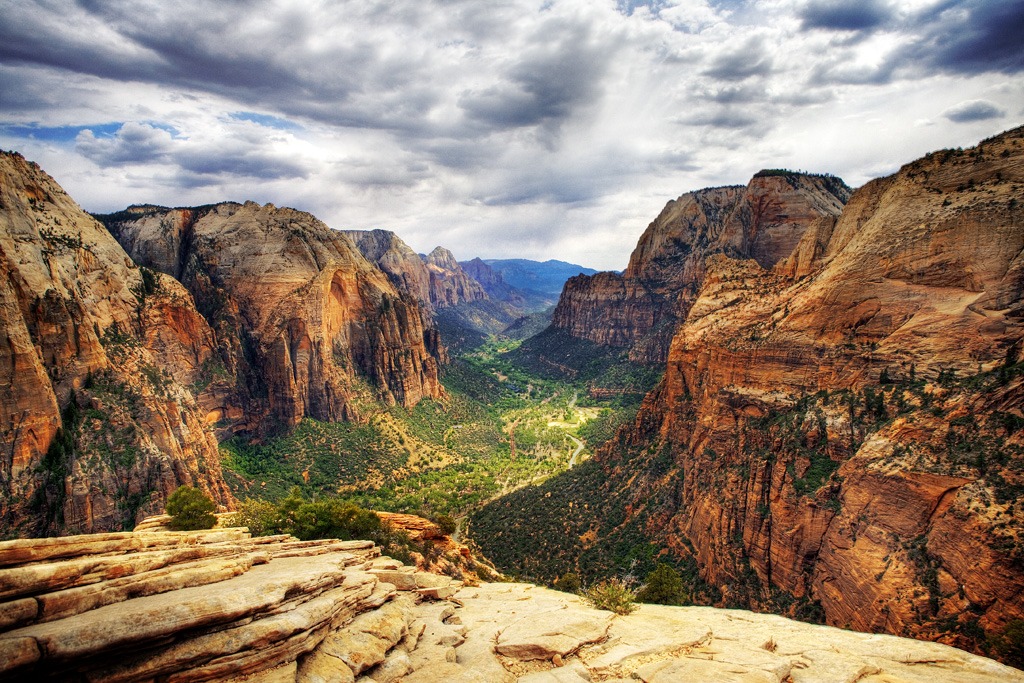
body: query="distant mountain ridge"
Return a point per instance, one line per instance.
(541, 277)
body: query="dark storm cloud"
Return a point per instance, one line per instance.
(226, 49)
(728, 118)
(28, 89)
(840, 15)
(973, 110)
(969, 36)
(247, 164)
(561, 74)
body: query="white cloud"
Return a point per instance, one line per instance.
(498, 128)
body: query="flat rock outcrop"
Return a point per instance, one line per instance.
(640, 308)
(98, 423)
(222, 606)
(303, 320)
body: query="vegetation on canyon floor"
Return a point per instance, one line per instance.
(502, 426)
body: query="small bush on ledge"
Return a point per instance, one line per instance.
(613, 595)
(190, 509)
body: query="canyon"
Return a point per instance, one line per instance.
(838, 434)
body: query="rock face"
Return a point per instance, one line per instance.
(303, 321)
(840, 438)
(396, 258)
(449, 283)
(641, 308)
(919, 278)
(458, 302)
(221, 606)
(97, 422)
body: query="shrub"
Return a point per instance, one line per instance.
(261, 516)
(1009, 645)
(664, 586)
(569, 582)
(446, 523)
(190, 509)
(613, 595)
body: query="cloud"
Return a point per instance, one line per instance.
(133, 143)
(973, 110)
(514, 125)
(837, 15)
(559, 74)
(969, 37)
(751, 59)
(241, 152)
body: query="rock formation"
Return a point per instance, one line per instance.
(496, 287)
(641, 308)
(459, 304)
(221, 606)
(838, 438)
(396, 258)
(449, 283)
(97, 421)
(303, 321)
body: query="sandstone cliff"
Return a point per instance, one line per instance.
(97, 423)
(459, 304)
(449, 283)
(839, 438)
(221, 606)
(641, 308)
(396, 258)
(305, 325)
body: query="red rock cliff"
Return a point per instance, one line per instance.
(640, 308)
(851, 441)
(97, 425)
(306, 324)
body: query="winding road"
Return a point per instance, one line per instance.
(579, 448)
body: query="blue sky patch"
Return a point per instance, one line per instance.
(265, 120)
(58, 133)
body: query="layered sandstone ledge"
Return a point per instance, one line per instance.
(222, 606)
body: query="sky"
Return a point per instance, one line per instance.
(497, 128)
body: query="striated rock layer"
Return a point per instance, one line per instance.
(97, 421)
(641, 308)
(842, 437)
(221, 606)
(303, 320)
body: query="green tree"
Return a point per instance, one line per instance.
(260, 516)
(190, 509)
(664, 586)
(446, 523)
(1009, 645)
